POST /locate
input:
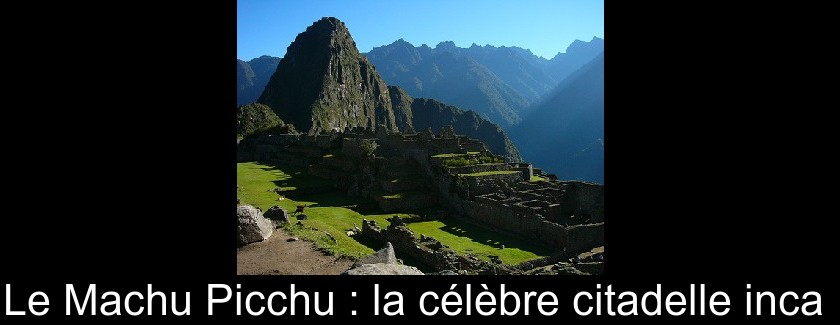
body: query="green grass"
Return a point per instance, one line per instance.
(326, 211)
(473, 152)
(495, 172)
(406, 195)
(449, 155)
(535, 178)
(393, 196)
(464, 161)
(464, 237)
(330, 211)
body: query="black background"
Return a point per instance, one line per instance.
(120, 157)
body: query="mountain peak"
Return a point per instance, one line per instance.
(402, 42)
(324, 83)
(445, 45)
(329, 23)
(579, 45)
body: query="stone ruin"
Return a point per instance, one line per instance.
(427, 250)
(409, 172)
(409, 130)
(447, 132)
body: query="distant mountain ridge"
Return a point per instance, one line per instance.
(565, 133)
(577, 54)
(501, 83)
(252, 76)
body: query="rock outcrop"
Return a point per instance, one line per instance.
(383, 256)
(253, 227)
(401, 102)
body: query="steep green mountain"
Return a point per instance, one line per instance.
(324, 83)
(401, 102)
(252, 76)
(422, 114)
(565, 133)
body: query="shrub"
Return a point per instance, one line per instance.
(368, 149)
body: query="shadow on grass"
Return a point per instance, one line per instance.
(324, 196)
(491, 238)
(298, 177)
(340, 199)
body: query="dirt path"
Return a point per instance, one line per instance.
(277, 256)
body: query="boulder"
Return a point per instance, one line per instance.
(383, 256)
(253, 227)
(383, 269)
(277, 215)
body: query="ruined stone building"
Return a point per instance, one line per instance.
(413, 170)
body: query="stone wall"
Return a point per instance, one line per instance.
(431, 254)
(472, 186)
(291, 149)
(472, 144)
(585, 199)
(439, 146)
(526, 169)
(518, 220)
(582, 238)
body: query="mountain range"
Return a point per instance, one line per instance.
(564, 134)
(252, 76)
(323, 83)
(500, 83)
(551, 108)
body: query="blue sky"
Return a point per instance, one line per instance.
(543, 26)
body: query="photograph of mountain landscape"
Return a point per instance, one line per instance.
(381, 138)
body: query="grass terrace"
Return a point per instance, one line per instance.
(450, 155)
(335, 212)
(535, 178)
(497, 172)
